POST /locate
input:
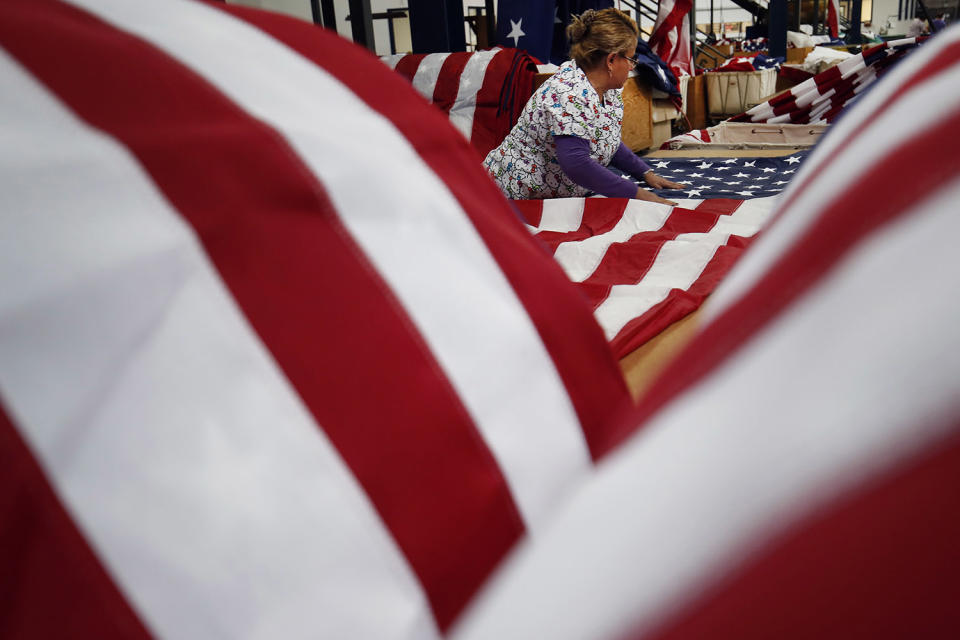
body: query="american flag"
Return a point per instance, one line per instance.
(795, 470)
(276, 358)
(671, 36)
(643, 266)
(482, 93)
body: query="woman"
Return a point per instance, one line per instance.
(569, 131)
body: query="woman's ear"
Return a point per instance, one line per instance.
(611, 58)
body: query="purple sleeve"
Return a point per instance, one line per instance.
(573, 155)
(629, 162)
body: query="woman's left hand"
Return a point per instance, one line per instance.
(657, 182)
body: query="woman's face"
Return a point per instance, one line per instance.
(620, 68)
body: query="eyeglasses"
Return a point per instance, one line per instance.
(633, 61)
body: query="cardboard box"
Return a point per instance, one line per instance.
(733, 92)
(712, 57)
(693, 91)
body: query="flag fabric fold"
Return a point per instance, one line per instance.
(274, 352)
(793, 472)
(671, 36)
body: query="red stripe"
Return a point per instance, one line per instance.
(52, 585)
(530, 210)
(679, 303)
(264, 220)
(599, 216)
(881, 562)
(878, 197)
(491, 123)
(407, 65)
(566, 326)
(448, 83)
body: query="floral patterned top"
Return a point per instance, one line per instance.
(525, 164)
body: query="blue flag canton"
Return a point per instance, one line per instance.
(527, 25)
(736, 178)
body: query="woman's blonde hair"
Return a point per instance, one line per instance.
(594, 34)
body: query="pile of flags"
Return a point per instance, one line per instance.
(483, 93)
(749, 63)
(823, 97)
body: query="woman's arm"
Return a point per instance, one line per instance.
(573, 155)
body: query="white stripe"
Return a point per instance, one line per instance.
(815, 404)
(581, 258)
(561, 214)
(180, 449)
(425, 79)
(471, 80)
(678, 265)
(391, 61)
(935, 98)
(410, 227)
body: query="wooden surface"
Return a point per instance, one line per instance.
(696, 102)
(642, 366)
(637, 132)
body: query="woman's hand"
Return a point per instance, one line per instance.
(657, 182)
(643, 194)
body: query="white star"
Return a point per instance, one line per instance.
(663, 75)
(730, 161)
(693, 192)
(790, 171)
(768, 170)
(793, 160)
(744, 193)
(746, 164)
(762, 178)
(782, 182)
(732, 183)
(661, 165)
(714, 178)
(515, 31)
(696, 175)
(704, 165)
(720, 168)
(742, 175)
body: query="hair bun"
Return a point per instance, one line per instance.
(580, 25)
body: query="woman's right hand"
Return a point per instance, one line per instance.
(643, 194)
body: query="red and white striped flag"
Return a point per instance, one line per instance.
(671, 36)
(276, 358)
(483, 92)
(794, 473)
(643, 266)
